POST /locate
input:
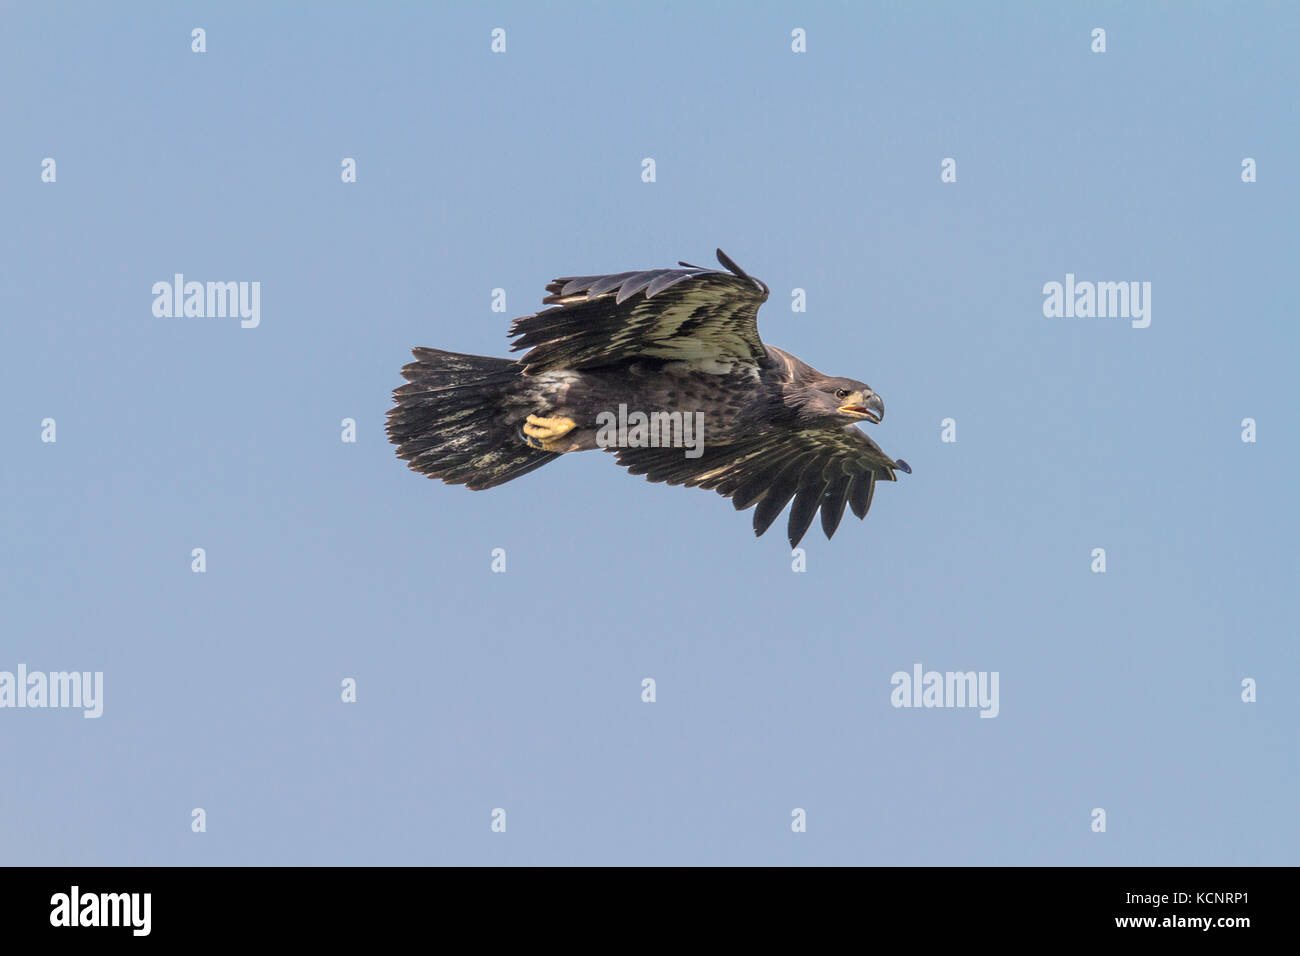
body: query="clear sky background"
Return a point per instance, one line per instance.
(522, 690)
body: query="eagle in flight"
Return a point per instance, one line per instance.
(681, 348)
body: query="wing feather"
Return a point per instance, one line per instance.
(833, 501)
(806, 502)
(864, 486)
(779, 493)
(821, 469)
(685, 314)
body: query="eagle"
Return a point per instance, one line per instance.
(711, 405)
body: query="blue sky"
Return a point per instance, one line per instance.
(477, 690)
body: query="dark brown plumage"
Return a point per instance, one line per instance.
(677, 342)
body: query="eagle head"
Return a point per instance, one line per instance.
(841, 399)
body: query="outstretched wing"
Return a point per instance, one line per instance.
(818, 468)
(689, 314)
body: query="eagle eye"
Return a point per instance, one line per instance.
(841, 393)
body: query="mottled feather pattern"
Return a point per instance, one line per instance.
(446, 422)
(686, 314)
(824, 469)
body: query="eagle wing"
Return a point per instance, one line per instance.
(689, 314)
(817, 467)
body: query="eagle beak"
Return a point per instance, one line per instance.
(868, 406)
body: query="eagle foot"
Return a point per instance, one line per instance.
(546, 433)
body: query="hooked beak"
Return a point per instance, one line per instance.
(868, 406)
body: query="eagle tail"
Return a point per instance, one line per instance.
(448, 421)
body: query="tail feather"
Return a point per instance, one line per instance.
(448, 422)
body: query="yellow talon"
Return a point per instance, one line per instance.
(545, 433)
